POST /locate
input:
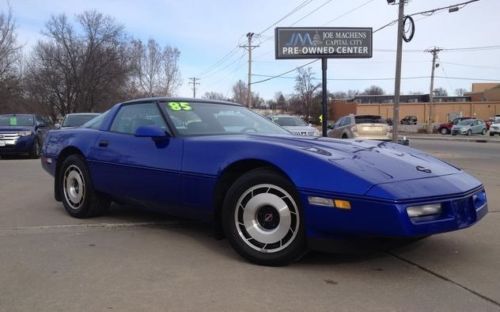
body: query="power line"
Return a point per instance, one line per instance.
(428, 13)
(287, 72)
(294, 10)
(382, 78)
(313, 11)
(348, 12)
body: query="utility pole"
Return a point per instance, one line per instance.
(194, 84)
(249, 47)
(397, 83)
(430, 121)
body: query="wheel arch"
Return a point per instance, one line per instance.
(228, 176)
(65, 153)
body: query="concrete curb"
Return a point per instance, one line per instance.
(451, 139)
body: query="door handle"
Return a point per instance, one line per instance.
(103, 143)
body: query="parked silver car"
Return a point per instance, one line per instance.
(469, 127)
(295, 125)
(495, 127)
(363, 127)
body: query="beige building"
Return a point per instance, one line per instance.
(483, 103)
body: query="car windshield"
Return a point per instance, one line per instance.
(76, 120)
(369, 119)
(466, 122)
(289, 121)
(197, 118)
(12, 120)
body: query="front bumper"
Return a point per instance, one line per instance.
(367, 218)
(17, 145)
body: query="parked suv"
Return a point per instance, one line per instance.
(22, 134)
(445, 128)
(409, 120)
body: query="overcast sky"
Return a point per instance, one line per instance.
(206, 31)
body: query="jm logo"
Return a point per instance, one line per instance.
(300, 39)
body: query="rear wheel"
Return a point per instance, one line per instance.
(483, 132)
(469, 132)
(444, 131)
(79, 197)
(492, 134)
(262, 218)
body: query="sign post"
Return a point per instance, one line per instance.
(323, 43)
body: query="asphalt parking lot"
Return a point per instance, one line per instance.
(132, 260)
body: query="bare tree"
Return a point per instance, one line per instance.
(460, 91)
(305, 88)
(10, 87)
(440, 92)
(374, 90)
(213, 96)
(156, 69)
(240, 92)
(75, 71)
(9, 50)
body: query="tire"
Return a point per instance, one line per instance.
(469, 133)
(483, 132)
(443, 131)
(78, 195)
(35, 151)
(344, 136)
(492, 134)
(255, 228)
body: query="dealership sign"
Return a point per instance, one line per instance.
(328, 42)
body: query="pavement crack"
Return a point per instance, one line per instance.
(444, 278)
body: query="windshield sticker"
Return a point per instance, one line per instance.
(13, 121)
(179, 106)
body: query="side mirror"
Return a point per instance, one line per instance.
(153, 132)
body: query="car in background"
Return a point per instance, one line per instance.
(295, 125)
(445, 128)
(495, 127)
(273, 195)
(469, 127)
(22, 134)
(76, 119)
(363, 127)
(409, 120)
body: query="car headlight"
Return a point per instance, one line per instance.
(25, 133)
(424, 210)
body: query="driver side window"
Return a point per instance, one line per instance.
(132, 116)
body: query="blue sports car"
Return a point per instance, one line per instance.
(272, 194)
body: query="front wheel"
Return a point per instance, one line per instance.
(483, 132)
(79, 197)
(469, 133)
(262, 218)
(444, 131)
(35, 151)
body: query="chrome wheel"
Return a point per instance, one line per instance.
(267, 218)
(74, 187)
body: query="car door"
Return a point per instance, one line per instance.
(135, 169)
(336, 132)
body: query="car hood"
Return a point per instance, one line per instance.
(14, 129)
(374, 161)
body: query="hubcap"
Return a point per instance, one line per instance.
(74, 187)
(267, 218)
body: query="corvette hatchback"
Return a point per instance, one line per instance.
(272, 194)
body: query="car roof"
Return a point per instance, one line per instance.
(180, 99)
